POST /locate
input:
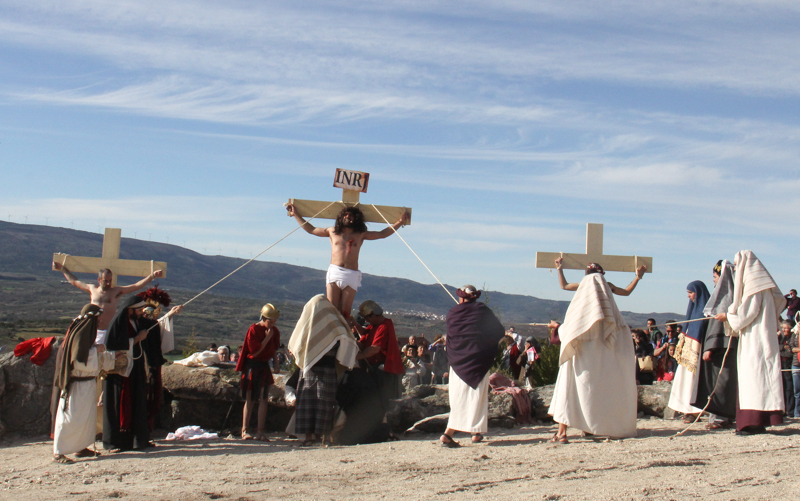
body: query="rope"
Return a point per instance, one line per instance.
(716, 384)
(250, 261)
(684, 322)
(415, 254)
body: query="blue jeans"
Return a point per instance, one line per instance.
(796, 381)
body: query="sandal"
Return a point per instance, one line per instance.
(689, 419)
(62, 459)
(87, 453)
(559, 440)
(449, 443)
(307, 443)
(246, 436)
(262, 437)
(477, 438)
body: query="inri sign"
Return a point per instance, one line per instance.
(351, 180)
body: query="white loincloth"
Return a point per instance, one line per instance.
(684, 391)
(343, 277)
(469, 408)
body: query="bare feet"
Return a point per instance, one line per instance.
(477, 438)
(245, 435)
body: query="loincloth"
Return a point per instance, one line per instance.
(343, 277)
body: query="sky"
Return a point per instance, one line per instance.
(506, 126)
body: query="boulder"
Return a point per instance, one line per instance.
(501, 410)
(653, 399)
(540, 402)
(189, 383)
(26, 393)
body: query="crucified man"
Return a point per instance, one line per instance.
(347, 236)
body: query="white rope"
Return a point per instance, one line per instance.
(251, 260)
(415, 254)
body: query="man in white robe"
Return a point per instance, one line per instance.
(78, 364)
(753, 317)
(596, 386)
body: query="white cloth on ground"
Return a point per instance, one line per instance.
(343, 277)
(200, 359)
(596, 386)
(757, 304)
(684, 391)
(191, 433)
(74, 428)
(469, 408)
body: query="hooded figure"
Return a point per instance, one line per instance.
(713, 376)
(125, 396)
(753, 316)
(687, 353)
(77, 366)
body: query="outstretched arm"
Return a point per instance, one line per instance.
(71, 278)
(377, 235)
(627, 290)
(310, 228)
(127, 289)
(562, 280)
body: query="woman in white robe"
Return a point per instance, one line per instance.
(753, 317)
(596, 386)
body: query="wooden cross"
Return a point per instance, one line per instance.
(353, 183)
(594, 254)
(110, 260)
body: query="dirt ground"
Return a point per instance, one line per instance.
(510, 464)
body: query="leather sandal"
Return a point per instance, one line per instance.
(559, 440)
(449, 442)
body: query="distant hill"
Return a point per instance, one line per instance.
(26, 252)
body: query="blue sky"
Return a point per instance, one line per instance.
(506, 128)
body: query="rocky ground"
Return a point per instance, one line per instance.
(515, 463)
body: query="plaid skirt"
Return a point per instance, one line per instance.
(316, 401)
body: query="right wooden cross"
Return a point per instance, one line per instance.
(594, 254)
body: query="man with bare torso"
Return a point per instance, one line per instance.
(346, 237)
(104, 295)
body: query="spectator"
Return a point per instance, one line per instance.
(212, 347)
(655, 333)
(794, 345)
(528, 359)
(645, 361)
(667, 365)
(669, 338)
(784, 341)
(412, 342)
(792, 304)
(224, 353)
(515, 346)
(414, 369)
(441, 365)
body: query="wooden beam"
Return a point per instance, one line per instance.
(309, 208)
(123, 267)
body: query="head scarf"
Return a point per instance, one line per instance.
(77, 343)
(722, 296)
(468, 292)
(118, 334)
(751, 278)
(695, 330)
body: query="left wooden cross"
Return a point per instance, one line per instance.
(110, 259)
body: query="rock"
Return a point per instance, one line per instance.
(27, 389)
(188, 383)
(540, 402)
(653, 399)
(404, 413)
(2, 382)
(432, 424)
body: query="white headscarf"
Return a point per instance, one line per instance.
(751, 278)
(722, 296)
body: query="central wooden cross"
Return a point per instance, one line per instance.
(110, 259)
(594, 254)
(353, 183)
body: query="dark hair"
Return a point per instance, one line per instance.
(103, 271)
(718, 268)
(651, 320)
(358, 225)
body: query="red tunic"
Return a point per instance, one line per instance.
(384, 337)
(255, 369)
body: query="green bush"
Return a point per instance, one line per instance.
(545, 371)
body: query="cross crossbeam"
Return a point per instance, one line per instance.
(594, 254)
(110, 259)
